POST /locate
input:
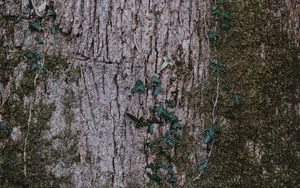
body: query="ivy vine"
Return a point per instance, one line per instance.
(217, 71)
(162, 169)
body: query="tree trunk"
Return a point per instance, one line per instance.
(67, 109)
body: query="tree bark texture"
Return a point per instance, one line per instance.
(70, 122)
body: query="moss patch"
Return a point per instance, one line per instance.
(263, 66)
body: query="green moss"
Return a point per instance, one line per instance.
(55, 64)
(267, 86)
(12, 161)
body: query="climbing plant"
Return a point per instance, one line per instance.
(217, 73)
(162, 169)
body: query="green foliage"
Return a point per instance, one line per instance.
(140, 122)
(157, 177)
(214, 10)
(161, 146)
(50, 14)
(202, 165)
(38, 67)
(167, 62)
(39, 40)
(36, 25)
(171, 103)
(155, 84)
(237, 99)
(211, 35)
(5, 130)
(209, 136)
(54, 29)
(34, 56)
(138, 87)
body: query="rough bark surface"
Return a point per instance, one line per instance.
(108, 45)
(71, 121)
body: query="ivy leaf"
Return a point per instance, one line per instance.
(29, 55)
(225, 14)
(170, 170)
(50, 14)
(151, 166)
(214, 10)
(36, 25)
(151, 144)
(172, 180)
(156, 90)
(155, 80)
(139, 121)
(211, 35)
(150, 129)
(34, 66)
(5, 130)
(209, 136)
(39, 40)
(166, 62)
(175, 126)
(202, 165)
(160, 165)
(54, 29)
(224, 87)
(171, 103)
(138, 87)
(37, 56)
(237, 99)
(157, 177)
(224, 24)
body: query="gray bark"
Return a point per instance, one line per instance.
(108, 45)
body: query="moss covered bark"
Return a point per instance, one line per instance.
(260, 148)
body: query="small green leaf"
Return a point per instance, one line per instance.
(54, 29)
(214, 10)
(237, 99)
(39, 40)
(166, 62)
(155, 80)
(172, 180)
(202, 165)
(29, 55)
(151, 144)
(139, 121)
(170, 170)
(138, 87)
(160, 165)
(50, 14)
(5, 130)
(176, 125)
(211, 35)
(151, 166)
(225, 14)
(34, 66)
(171, 103)
(209, 136)
(36, 25)
(224, 24)
(157, 177)
(150, 129)
(155, 83)
(156, 90)
(37, 56)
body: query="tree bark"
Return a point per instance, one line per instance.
(104, 47)
(69, 127)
